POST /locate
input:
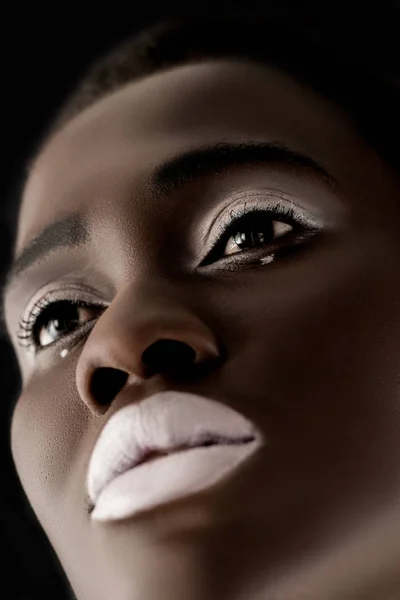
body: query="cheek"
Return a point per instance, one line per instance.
(46, 433)
(315, 346)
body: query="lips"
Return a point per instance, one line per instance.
(170, 444)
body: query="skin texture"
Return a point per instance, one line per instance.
(308, 345)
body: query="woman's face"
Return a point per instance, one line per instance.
(297, 333)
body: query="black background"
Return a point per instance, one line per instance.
(43, 53)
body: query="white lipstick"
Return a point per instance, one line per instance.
(202, 441)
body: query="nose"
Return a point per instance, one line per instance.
(138, 337)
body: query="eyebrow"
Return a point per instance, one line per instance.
(172, 175)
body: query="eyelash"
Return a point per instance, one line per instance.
(302, 228)
(27, 327)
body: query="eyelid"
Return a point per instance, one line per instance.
(68, 291)
(261, 200)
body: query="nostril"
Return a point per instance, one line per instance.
(106, 383)
(168, 355)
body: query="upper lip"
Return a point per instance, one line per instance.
(163, 422)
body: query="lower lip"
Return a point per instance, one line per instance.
(169, 478)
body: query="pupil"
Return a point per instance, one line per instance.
(59, 324)
(251, 237)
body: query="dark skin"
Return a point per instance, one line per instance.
(306, 346)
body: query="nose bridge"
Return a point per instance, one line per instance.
(136, 321)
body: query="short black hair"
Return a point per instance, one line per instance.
(323, 62)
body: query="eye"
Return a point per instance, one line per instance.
(254, 230)
(277, 229)
(49, 322)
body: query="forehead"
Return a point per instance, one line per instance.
(141, 124)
